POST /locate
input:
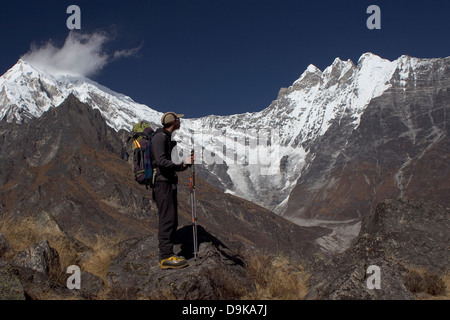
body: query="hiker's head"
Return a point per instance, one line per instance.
(171, 121)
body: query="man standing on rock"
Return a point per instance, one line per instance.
(165, 189)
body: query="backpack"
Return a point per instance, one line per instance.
(140, 157)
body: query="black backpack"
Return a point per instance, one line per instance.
(141, 153)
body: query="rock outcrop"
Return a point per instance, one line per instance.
(401, 253)
(35, 274)
(216, 273)
(401, 236)
(40, 257)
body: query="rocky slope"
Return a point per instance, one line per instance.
(401, 237)
(216, 273)
(405, 239)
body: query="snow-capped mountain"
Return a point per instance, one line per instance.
(260, 156)
(332, 101)
(27, 92)
(393, 142)
(299, 115)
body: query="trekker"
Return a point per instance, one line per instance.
(165, 189)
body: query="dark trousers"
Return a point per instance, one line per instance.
(165, 196)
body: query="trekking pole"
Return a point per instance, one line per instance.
(193, 206)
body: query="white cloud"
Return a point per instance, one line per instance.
(81, 55)
(126, 53)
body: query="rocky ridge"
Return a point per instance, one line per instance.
(401, 237)
(217, 273)
(405, 239)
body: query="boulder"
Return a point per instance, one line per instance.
(39, 257)
(216, 273)
(39, 273)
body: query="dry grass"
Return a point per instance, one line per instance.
(425, 285)
(23, 233)
(446, 279)
(276, 278)
(104, 250)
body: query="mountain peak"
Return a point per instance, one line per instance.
(313, 69)
(337, 61)
(338, 68)
(368, 56)
(19, 69)
(27, 92)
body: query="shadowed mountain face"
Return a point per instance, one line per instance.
(400, 148)
(66, 165)
(70, 165)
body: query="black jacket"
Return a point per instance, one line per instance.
(162, 146)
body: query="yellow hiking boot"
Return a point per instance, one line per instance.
(173, 262)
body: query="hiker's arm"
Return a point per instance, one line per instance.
(161, 159)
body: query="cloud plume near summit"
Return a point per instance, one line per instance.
(81, 55)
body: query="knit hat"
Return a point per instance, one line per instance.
(170, 117)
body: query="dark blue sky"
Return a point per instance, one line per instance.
(202, 57)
